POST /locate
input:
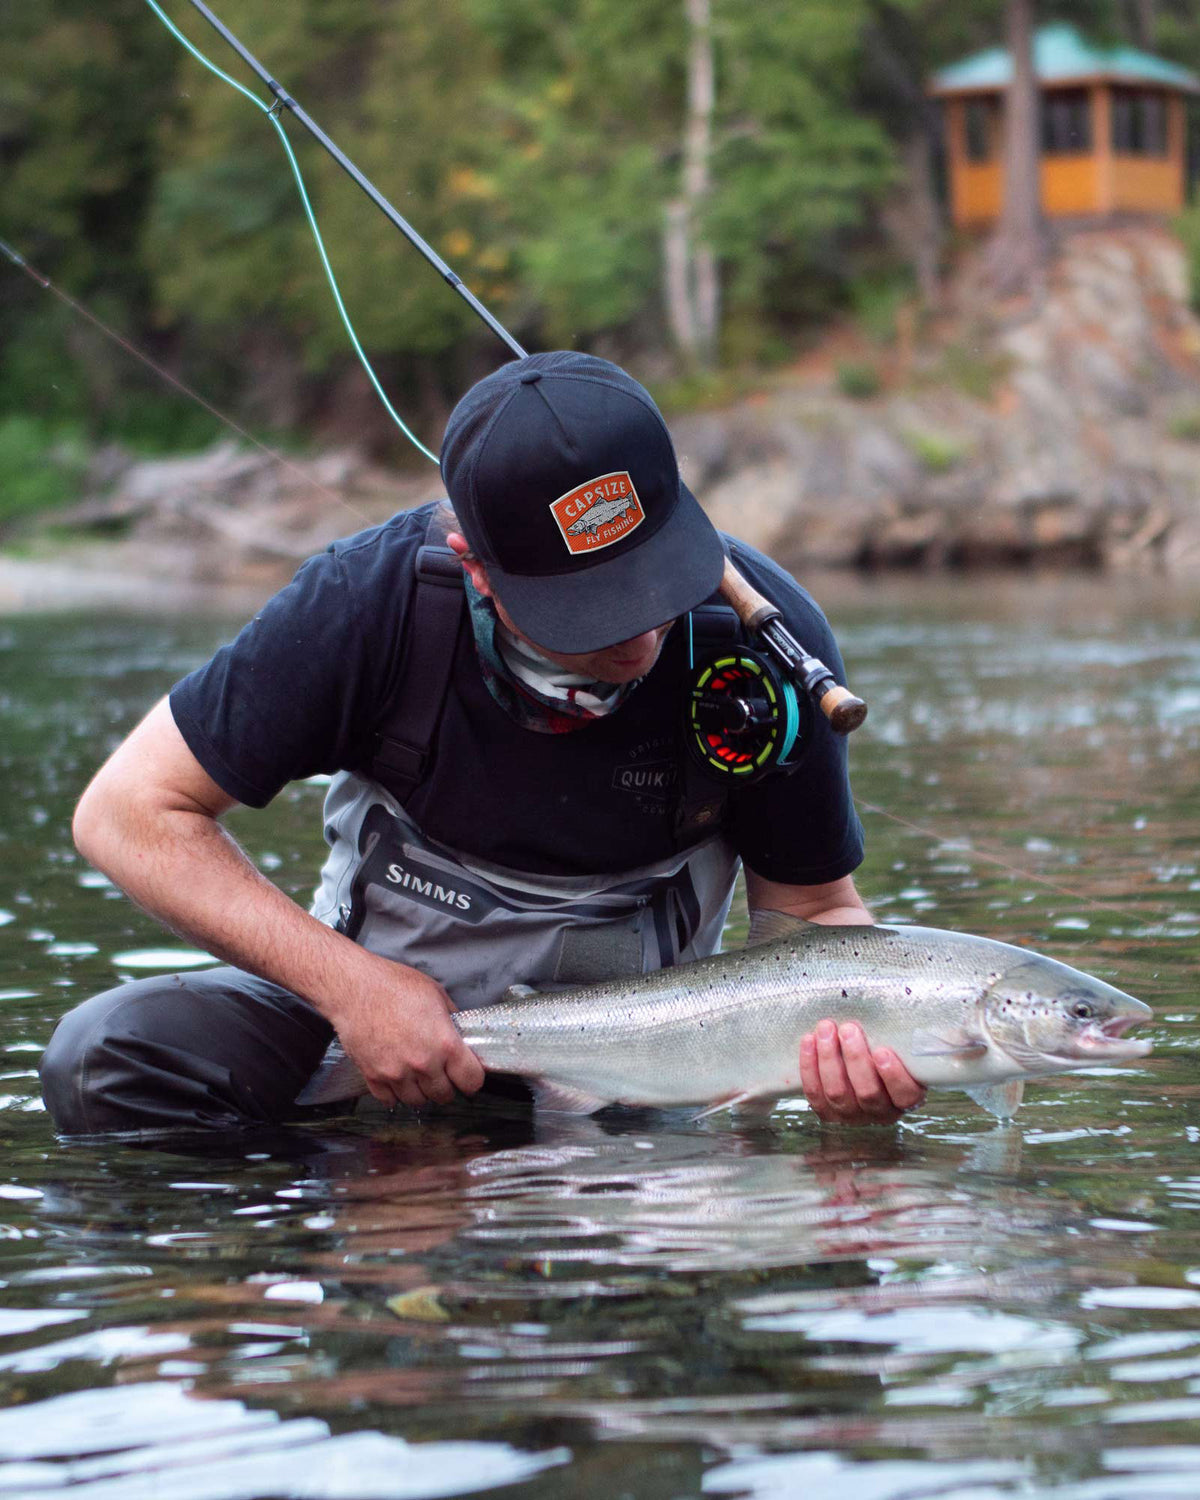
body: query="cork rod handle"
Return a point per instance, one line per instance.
(844, 711)
(752, 609)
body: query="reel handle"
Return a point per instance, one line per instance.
(844, 711)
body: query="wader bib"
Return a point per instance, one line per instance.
(477, 928)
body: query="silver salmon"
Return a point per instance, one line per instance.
(600, 514)
(960, 1011)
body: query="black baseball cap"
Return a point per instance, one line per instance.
(564, 480)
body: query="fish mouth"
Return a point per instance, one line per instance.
(1117, 1026)
(1109, 1039)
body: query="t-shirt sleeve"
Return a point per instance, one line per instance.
(802, 828)
(282, 700)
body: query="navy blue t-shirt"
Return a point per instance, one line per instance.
(306, 687)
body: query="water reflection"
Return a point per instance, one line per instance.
(640, 1304)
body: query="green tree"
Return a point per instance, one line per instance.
(79, 97)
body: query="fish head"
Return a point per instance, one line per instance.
(1048, 1016)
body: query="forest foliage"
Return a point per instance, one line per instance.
(536, 144)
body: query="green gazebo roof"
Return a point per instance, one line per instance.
(1061, 55)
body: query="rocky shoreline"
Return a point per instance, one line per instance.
(1062, 432)
(1071, 440)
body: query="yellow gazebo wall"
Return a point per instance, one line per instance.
(975, 187)
(1070, 185)
(1149, 184)
(1096, 183)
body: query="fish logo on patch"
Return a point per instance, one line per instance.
(598, 512)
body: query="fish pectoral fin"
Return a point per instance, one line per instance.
(755, 1106)
(752, 1102)
(954, 1042)
(518, 992)
(563, 1099)
(767, 925)
(999, 1099)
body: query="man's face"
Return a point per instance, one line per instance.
(620, 663)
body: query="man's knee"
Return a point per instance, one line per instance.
(199, 1051)
(59, 1073)
(77, 1065)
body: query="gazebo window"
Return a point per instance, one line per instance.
(1139, 122)
(982, 122)
(1067, 123)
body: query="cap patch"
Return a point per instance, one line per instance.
(598, 512)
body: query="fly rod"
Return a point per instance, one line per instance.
(841, 708)
(284, 100)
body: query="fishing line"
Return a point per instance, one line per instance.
(272, 113)
(47, 285)
(1006, 865)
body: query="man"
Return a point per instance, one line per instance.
(540, 835)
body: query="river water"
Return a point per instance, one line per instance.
(643, 1305)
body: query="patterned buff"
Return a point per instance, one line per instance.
(536, 692)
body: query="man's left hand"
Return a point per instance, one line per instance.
(848, 1084)
(844, 1081)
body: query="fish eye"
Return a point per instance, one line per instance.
(1083, 1010)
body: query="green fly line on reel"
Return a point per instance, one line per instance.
(744, 717)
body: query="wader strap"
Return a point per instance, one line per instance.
(702, 797)
(439, 605)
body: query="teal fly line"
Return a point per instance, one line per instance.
(271, 112)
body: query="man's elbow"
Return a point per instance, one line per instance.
(93, 822)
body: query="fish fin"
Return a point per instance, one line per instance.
(954, 1041)
(337, 1077)
(767, 925)
(756, 1107)
(518, 992)
(999, 1099)
(736, 1101)
(564, 1099)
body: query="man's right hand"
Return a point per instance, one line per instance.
(399, 1032)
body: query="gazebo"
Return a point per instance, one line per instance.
(1112, 129)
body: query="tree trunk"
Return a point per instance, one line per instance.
(690, 267)
(912, 218)
(1144, 18)
(1017, 254)
(677, 279)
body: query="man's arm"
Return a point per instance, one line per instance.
(844, 1081)
(149, 820)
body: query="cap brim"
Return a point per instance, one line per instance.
(586, 609)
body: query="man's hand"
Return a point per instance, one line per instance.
(399, 1032)
(844, 1081)
(149, 820)
(848, 1084)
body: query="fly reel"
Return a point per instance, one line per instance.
(744, 718)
